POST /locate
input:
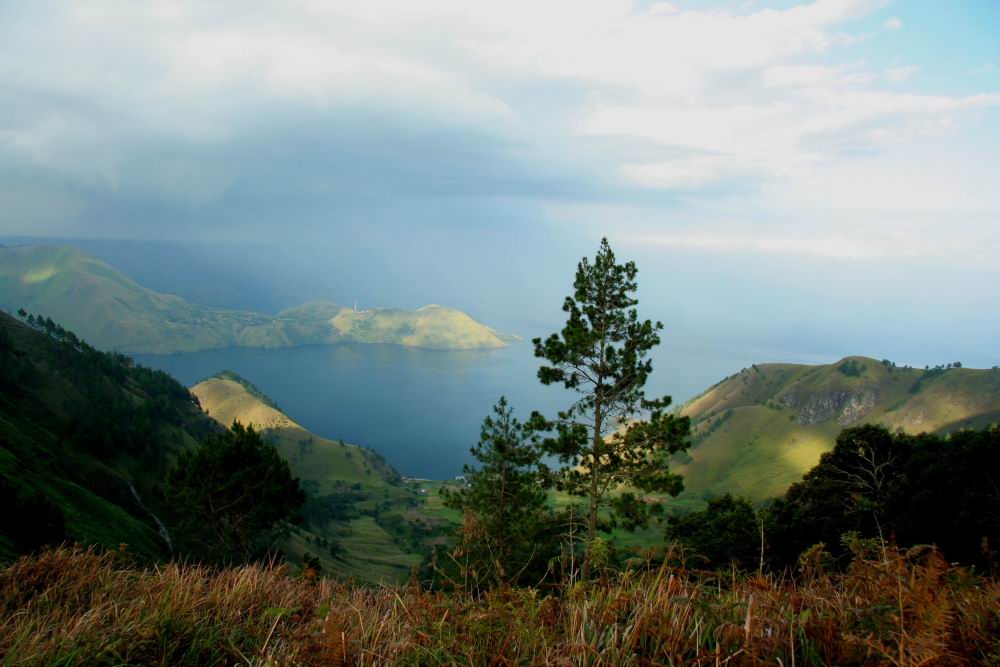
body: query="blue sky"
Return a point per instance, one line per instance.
(808, 153)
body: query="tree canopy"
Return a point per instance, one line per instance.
(914, 489)
(724, 533)
(230, 496)
(502, 497)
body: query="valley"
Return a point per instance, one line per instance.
(362, 520)
(754, 433)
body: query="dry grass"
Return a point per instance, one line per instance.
(72, 606)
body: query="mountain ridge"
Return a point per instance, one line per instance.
(87, 438)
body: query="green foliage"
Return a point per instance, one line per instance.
(814, 403)
(947, 494)
(928, 375)
(82, 429)
(338, 506)
(105, 417)
(612, 435)
(851, 368)
(503, 497)
(846, 491)
(85, 440)
(230, 496)
(714, 425)
(921, 489)
(368, 523)
(723, 534)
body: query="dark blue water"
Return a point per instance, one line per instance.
(421, 409)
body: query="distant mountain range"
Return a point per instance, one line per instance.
(759, 430)
(113, 312)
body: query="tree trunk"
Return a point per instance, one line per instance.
(591, 529)
(595, 449)
(592, 519)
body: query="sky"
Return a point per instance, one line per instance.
(795, 179)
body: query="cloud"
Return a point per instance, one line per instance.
(900, 74)
(837, 247)
(304, 115)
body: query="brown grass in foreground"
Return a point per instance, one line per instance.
(73, 606)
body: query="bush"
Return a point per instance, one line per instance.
(851, 368)
(725, 533)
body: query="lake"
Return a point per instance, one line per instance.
(421, 409)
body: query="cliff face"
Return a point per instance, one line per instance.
(846, 407)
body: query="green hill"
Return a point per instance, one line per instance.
(113, 312)
(758, 431)
(322, 465)
(362, 519)
(85, 440)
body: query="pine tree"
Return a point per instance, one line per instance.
(611, 436)
(502, 497)
(231, 496)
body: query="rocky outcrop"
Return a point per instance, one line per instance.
(846, 406)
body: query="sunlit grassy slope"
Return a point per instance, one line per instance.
(367, 549)
(311, 458)
(761, 429)
(113, 312)
(432, 326)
